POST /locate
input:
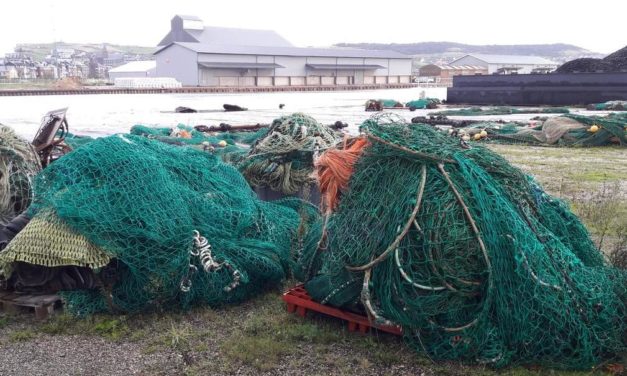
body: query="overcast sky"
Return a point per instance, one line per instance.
(598, 26)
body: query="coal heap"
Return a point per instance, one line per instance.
(615, 62)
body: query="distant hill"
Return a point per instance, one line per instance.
(40, 50)
(444, 52)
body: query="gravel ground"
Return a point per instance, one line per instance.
(80, 355)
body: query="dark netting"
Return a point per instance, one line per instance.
(181, 228)
(467, 254)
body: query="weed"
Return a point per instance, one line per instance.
(22, 335)
(262, 353)
(113, 329)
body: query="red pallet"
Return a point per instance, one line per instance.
(300, 302)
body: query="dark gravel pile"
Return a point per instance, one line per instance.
(615, 62)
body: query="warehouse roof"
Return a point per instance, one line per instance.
(191, 29)
(510, 59)
(456, 67)
(285, 51)
(135, 66)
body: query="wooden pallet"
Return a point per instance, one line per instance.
(43, 305)
(299, 301)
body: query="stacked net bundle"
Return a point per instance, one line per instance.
(466, 253)
(19, 163)
(478, 111)
(608, 106)
(232, 147)
(179, 135)
(179, 227)
(568, 130)
(283, 159)
(429, 103)
(76, 141)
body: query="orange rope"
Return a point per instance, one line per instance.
(335, 167)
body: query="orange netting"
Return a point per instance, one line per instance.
(335, 167)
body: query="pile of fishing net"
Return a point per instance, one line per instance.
(282, 160)
(19, 163)
(151, 226)
(76, 141)
(232, 147)
(567, 130)
(478, 111)
(608, 106)
(464, 251)
(429, 103)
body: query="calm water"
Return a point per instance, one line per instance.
(99, 115)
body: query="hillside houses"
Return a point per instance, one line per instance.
(22, 64)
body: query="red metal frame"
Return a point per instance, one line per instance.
(299, 301)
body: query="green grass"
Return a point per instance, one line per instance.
(22, 335)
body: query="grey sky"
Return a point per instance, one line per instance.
(598, 26)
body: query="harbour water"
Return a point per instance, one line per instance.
(100, 115)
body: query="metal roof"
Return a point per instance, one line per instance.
(239, 37)
(457, 67)
(229, 64)
(286, 51)
(510, 59)
(135, 66)
(345, 66)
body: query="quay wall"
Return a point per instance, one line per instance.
(538, 89)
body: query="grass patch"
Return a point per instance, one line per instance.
(263, 353)
(22, 335)
(597, 176)
(4, 321)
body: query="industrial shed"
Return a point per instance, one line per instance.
(507, 64)
(134, 69)
(443, 74)
(211, 56)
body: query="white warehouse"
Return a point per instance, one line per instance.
(507, 64)
(197, 55)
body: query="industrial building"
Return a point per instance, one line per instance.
(146, 68)
(508, 64)
(197, 55)
(443, 74)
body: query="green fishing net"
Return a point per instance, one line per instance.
(283, 159)
(478, 111)
(182, 228)
(19, 163)
(467, 253)
(567, 130)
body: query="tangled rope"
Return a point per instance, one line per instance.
(462, 250)
(19, 163)
(283, 159)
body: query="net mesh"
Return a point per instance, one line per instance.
(19, 163)
(283, 159)
(567, 130)
(478, 111)
(181, 227)
(467, 254)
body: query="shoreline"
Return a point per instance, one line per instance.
(244, 89)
